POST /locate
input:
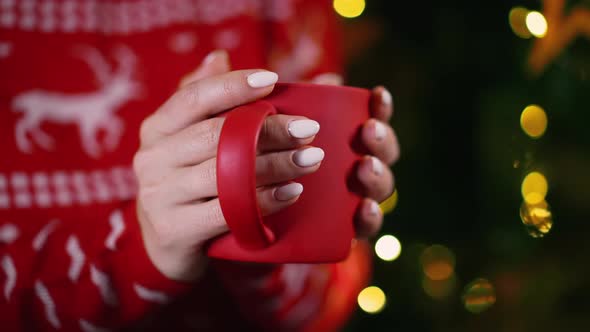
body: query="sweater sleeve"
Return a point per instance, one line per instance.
(297, 297)
(305, 39)
(72, 277)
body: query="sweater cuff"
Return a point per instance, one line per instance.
(140, 283)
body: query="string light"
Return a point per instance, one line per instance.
(438, 262)
(371, 299)
(533, 121)
(517, 21)
(479, 295)
(349, 8)
(534, 188)
(388, 248)
(536, 23)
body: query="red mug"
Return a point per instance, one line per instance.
(318, 228)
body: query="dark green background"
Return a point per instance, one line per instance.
(459, 79)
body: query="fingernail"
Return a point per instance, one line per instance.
(377, 166)
(288, 191)
(210, 57)
(386, 97)
(262, 79)
(308, 157)
(380, 131)
(374, 208)
(303, 128)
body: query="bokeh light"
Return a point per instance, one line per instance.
(534, 188)
(537, 218)
(388, 248)
(439, 289)
(479, 295)
(536, 23)
(438, 262)
(349, 8)
(533, 121)
(517, 21)
(371, 299)
(389, 204)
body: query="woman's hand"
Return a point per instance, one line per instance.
(177, 203)
(374, 172)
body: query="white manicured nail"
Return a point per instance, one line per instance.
(380, 131)
(374, 208)
(262, 79)
(288, 191)
(303, 128)
(308, 157)
(377, 166)
(386, 97)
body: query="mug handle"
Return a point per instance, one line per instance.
(236, 174)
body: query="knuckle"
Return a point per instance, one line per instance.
(213, 217)
(227, 88)
(189, 94)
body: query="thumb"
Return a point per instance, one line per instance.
(215, 63)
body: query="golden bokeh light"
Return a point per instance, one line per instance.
(536, 23)
(533, 121)
(349, 8)
(439, 289)
(534, 188)
(517, 21)
(371, 299)
(438, 262)
(389, 204)
(479, 295)
(537, 218)
(388, 248)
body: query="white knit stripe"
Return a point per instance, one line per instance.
(47, 301)
(86, 326)
(77, 258)
(41, 237)
(294, 276)
(103, 283)
(150, 295)
(10, 272)
(117, 227)
(8, 233)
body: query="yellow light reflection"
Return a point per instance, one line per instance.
(537, 218)
(533, 121)
(388, 248)
(479, 295)
(534, 188)
(517, 20)
(536, 23)
(438, 262)
(389, 204)
(349, 8)
(371, 299)
(439, 289)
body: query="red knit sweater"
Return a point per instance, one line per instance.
(76, 79)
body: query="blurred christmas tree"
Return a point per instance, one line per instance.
(492, 108)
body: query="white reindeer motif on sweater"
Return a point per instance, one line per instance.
(90, 111)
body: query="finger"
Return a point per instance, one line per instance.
(376, 178)
(281, 132)
(200, 182)
(368, 219)
(328, 79)
(381, 141)
(204, 98)
(201, 221)
(381, 104)
(215, 63)
(198, 142)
